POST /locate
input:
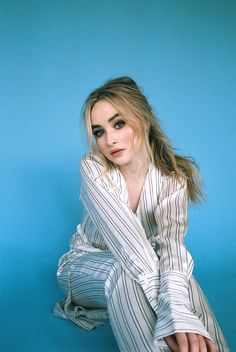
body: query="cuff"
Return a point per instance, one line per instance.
(174, 312)
(150, 284)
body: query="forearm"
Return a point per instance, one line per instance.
(123, 234)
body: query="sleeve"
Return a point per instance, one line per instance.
(175, 313)
(120, 227)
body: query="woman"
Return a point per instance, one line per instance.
(127, 261)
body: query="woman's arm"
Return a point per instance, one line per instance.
(175, 314)
(127, 240)
(120, 228)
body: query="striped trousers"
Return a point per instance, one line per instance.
(99, 291)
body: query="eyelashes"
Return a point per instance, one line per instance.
(98, 133)
(117, 125)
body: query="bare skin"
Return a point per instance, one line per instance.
(189, 342)
(134, 184)
(118, 142)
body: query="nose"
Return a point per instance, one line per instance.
(110, 138)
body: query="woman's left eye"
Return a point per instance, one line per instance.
(119, 124)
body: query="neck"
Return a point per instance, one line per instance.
(136, 169)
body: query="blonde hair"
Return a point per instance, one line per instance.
(125, 95)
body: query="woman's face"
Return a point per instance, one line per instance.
(115, 138)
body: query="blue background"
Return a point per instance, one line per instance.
(52, 54)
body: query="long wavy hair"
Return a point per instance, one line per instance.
(125, 95)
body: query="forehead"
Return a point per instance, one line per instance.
(102, 111)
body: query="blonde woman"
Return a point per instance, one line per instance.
(128, 264)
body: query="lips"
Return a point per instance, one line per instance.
(116, 152)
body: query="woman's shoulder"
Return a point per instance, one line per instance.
(168, 183)
(90, 164)
(91, 159)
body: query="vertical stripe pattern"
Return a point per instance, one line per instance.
(148, 247)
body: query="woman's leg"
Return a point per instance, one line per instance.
(97, 283)
(131, 316)
(203, 310)
(82, 280)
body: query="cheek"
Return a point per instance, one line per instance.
(98, 143)
(134, 138)
(129, 135)
(101, 145)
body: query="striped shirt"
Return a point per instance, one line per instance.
(149, 244)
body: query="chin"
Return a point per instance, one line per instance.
(121, 163)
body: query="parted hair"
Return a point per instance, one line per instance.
(126, 96)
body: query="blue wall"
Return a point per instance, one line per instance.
(52, 54)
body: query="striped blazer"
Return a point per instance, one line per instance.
(149, 244)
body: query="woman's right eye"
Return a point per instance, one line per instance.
(98, 133)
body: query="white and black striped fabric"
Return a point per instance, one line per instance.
(133, 269)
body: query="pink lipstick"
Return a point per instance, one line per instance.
(116, 152)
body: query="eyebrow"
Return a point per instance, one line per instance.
(110, 120)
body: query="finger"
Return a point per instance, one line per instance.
(193, 342)
(210, 345)
(202, 343)
(182, 341)
(171, 342)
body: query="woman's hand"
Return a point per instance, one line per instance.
(189, 342)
